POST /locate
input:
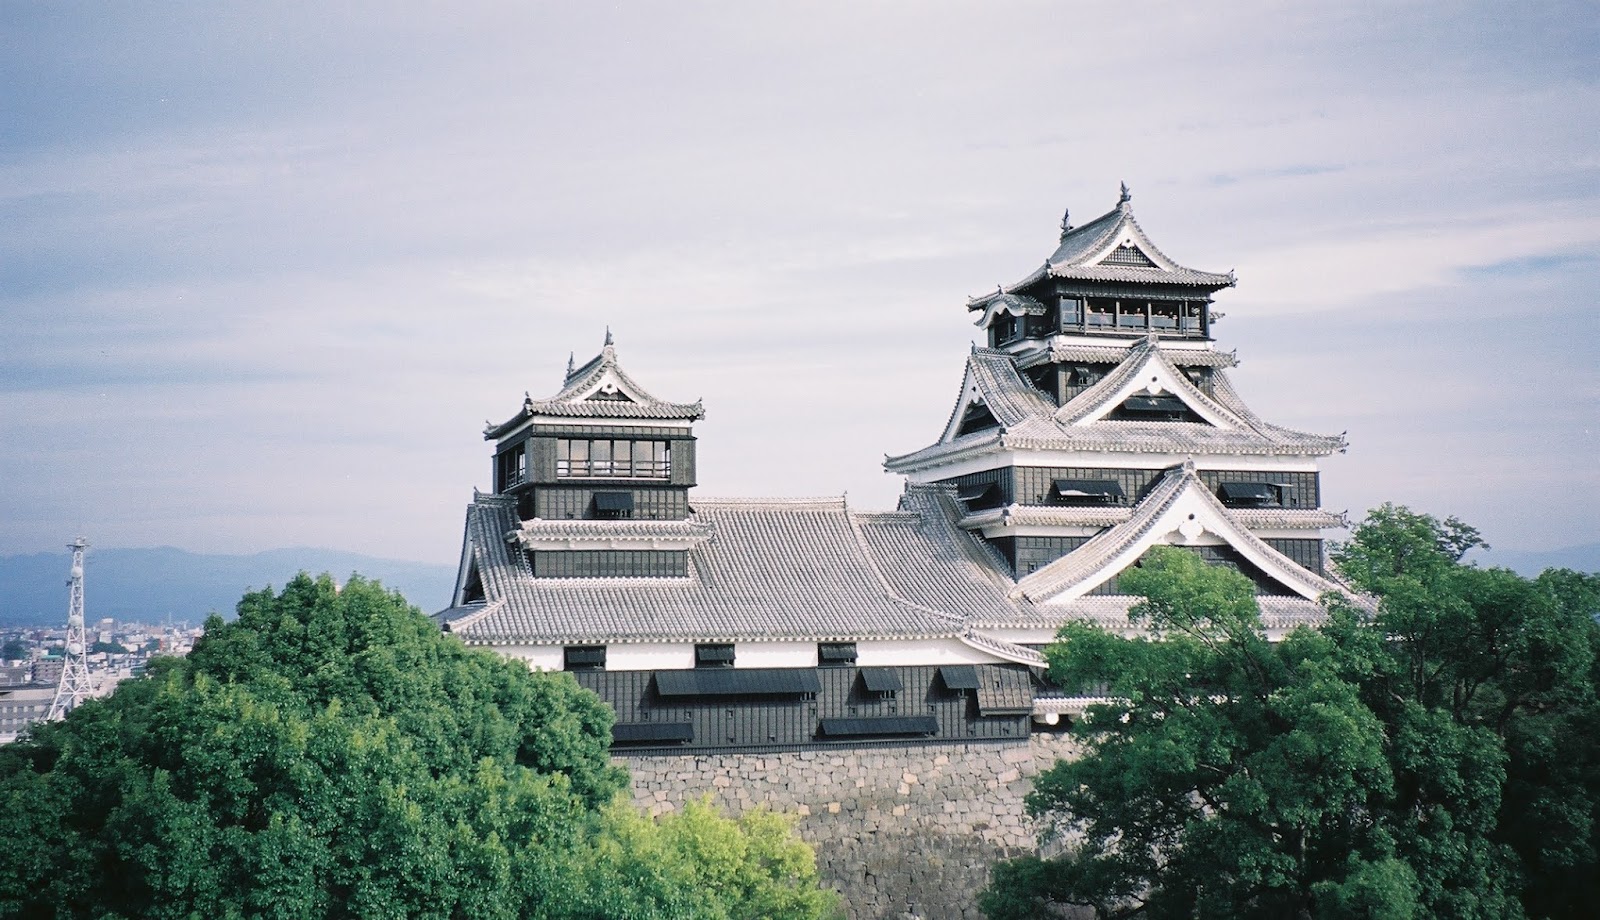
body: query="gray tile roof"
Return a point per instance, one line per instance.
(1110, 354)
(1029, 420)
(1083, 254)
(802, 570)
(771, 570)
(581, 396)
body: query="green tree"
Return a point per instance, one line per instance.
(328, 754)
(14, 650)
(1400, 761)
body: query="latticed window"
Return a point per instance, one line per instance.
(513, 467)
(613, 458)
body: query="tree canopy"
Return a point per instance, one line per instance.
(1429, 751)
(331, 754)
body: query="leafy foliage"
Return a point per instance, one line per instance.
(330, 754)
(1432, 755)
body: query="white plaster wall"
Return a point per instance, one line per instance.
(650, 656)
(927, 651)
(775, 655)
(537, 657)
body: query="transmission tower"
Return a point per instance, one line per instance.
(76, 682)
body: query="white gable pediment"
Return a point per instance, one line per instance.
(1149, 375)
(1180, 512)
(971, 398)
(611, 386)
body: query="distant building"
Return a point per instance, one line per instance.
(1098, 422)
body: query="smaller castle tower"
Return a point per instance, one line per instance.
(600, 475)
(77, 684)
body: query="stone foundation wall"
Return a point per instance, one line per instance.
(906, 831)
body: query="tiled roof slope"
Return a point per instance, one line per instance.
(772, 570)
(929, 561)
(1029, 420)
(1062, 351)
(600, 389)
(807, 571)
(1083, 251)
(811, 570)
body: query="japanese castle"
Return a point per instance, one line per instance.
(1097, 422)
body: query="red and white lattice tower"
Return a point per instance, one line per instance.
(76, 682)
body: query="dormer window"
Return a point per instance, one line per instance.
(1250, 494)
(1006, 329)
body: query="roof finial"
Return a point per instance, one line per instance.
(608, 336)
(572, 363)
(1066, 222)
(1127, 196)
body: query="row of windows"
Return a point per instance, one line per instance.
(1096, 314)
(1087, 485)
(613, 458)
(708, 655)
(611, 563)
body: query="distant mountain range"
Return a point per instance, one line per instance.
(150, 585)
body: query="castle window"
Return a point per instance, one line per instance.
(1071, 310)
(883, 683)
(584, 657)
(713, 656)
(512, 467)
(1149, 408)
(977, 417)
(836, 654)
(614, 459)
(1086, 491)
(613, 505)
(1250, 494)
(980, 495)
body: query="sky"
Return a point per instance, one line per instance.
(267, 269)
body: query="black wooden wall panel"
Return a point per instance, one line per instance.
(577, 502)
(1308, 553)
(792, 722)
(683, 463)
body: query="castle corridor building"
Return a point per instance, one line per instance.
(1097, 421)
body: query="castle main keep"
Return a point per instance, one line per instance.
(879, 673)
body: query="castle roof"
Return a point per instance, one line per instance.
(1110, 248)
(1027, 419)
(771, 569)
(812, 570)
(600, 389)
